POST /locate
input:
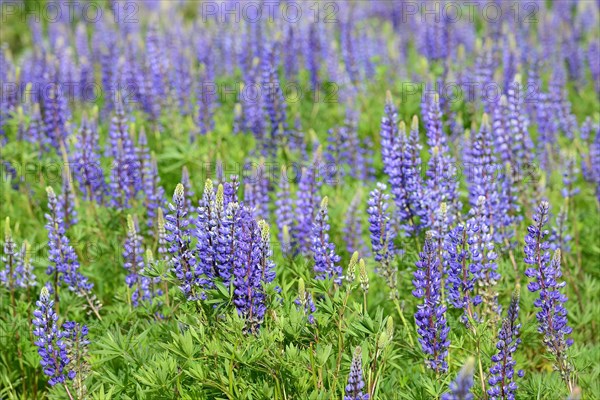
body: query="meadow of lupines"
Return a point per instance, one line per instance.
(300, 200)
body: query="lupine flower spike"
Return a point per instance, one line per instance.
(545, 274)
(326, 260)
(50, 343)
(382, 237)
(431, 314)
(460, 388)
(502, 379)
(356, 384)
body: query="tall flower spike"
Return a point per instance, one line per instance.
(249, 297)
(76, 342)
(398, 152)
(284, 213)
(64, 265)
(209, 221)
(134, 264)
(483, 256)
(326, 259)
(431, 314)
(226, 242)
(306, 206)
(353, 226)
(462, 273)
(545, 274)
(441, 185)
(267, 265)
(356, 384)
(23, 276)
(86, 162)
(66, 200)
(9, 258)
(183, 259)
(460, 388)
(50, 343)
(382, 237)
(502, 379)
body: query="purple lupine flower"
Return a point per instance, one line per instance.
(356, 384)
(441, 185)
(326, 260)
(55, 111)
(275, 105)
(559, 236)
(502, 379)
(482, 170)
(142, 157)
(248, 297)
(36, 131)
(284, 212)
(210, 216)
(155, 194)
(521, 144)
(431, 315)
(353, 227)
(134, 263)
(460, 388)
(64, 265)
(482, 254)
(267, 265)
(305, 302)
(306, 206)
(570, 173)
(501, 129)
(125, 174)
(66, 201)
(17, 271)
(230, 190)
(86, 163)
(9, 258)
(226, 242)
(183, 258)
(545, 274)
(462, 273)
(23, 276)
(593, 56)
(50, 343)
(252, 102)
(382, 237)
(508, 207)
(398, 160)
(75, 338)
(156, 73)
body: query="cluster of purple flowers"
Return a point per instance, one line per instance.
(325, 257)
(502, 373)
(431, 314)
(356, 384)
(382, 237)
(233, 247)
(17, 271)
(545, 274)
(54, 343)
(64, 264)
